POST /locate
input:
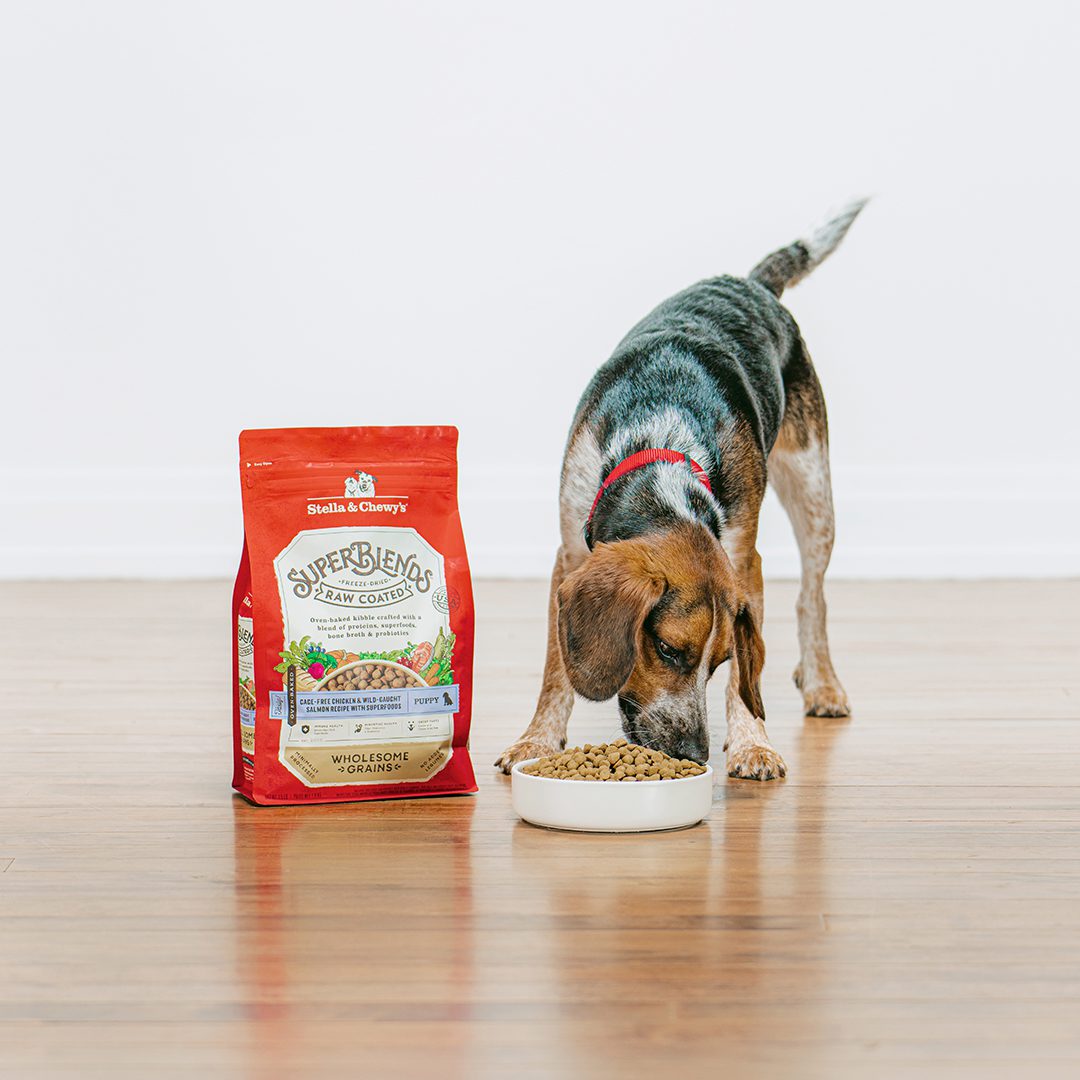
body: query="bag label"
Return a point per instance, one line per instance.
(369, 657)
(342, 703)
(245, 647)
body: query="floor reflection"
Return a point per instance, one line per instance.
(403, 927)
(685, 929)
(356, 912)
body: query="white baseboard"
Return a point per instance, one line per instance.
(910, 523)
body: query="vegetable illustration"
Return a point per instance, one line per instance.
(307, 657)
(444, 646)
(343, 657)
(421, 656)
(432, 662)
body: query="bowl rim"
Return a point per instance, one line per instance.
(369, 660)
(518, 766)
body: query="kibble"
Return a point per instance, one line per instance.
(367, 675)
(620, 760)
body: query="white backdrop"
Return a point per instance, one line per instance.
(225, 215)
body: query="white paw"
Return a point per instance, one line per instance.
(827, 699)
(755, 762)
(522, 750)
(822, 693)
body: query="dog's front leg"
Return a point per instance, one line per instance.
(546, 732)
(750, 755)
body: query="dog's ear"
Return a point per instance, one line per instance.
(602, 605)
(750, 654)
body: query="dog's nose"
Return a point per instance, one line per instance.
(694, 747)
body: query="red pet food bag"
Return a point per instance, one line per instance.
(353, 615)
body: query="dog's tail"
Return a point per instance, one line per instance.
(789, 265)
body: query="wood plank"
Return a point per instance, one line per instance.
(908, 901)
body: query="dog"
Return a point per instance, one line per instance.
(657, 581)
(359, 485)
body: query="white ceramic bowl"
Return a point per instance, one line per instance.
(610, 805)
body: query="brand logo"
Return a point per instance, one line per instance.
(359, 485)
(360, 493)
(361, 576)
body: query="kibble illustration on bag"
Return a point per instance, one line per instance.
(353, 615)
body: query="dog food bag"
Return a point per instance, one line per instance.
(353, 617)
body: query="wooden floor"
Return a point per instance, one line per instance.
(906, 903)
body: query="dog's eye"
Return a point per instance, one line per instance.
(668, 653)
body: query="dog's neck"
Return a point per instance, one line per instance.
(658, 496)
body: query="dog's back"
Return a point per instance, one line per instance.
(712, 355)
(713, 352)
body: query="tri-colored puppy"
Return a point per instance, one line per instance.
(658, 580)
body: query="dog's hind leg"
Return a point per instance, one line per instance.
(799, 473)
(546, 733)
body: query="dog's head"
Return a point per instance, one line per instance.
(360, 483)
(650, 619)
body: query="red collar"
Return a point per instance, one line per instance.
(639, 461)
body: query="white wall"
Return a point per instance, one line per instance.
(226, 215)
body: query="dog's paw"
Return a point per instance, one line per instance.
(522, 750)
(826, 699)
(755, 763)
